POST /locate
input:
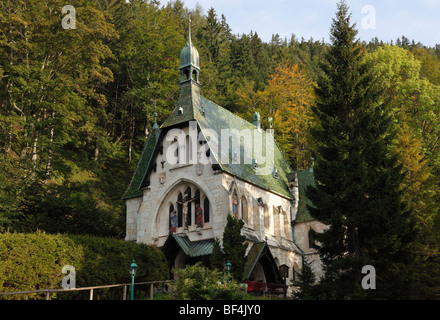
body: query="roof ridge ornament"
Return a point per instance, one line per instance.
(256, 120)
(155, 125)
(189, 29)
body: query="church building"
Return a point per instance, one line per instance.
(204, 163)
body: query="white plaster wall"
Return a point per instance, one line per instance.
(132, 207)
(154, 214)
(302, 239)
(279, 223)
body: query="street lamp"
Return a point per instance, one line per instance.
(228, 266)
(133, 269)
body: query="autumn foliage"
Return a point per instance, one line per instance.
(284, 105)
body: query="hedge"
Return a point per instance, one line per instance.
(33, 261)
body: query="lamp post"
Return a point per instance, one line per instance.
(133, 269)
(228, 266)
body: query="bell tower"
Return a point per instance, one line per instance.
(188, 106)
(189, 61)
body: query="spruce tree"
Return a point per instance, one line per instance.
(358, 179)
(306, 279)
(217, 256)
(234, 247)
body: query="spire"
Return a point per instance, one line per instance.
(189, 60)
(189, 30)
(189, 104)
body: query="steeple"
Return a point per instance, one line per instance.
(189, 60)
(188, 106)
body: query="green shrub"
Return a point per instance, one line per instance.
(200, 283)
(34, 261)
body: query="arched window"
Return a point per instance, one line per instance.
(198, 209)
(286, 224)
(188, 197)
(179, 210)
(276, 223)
(266, 218)
(312, 239)
(244, 210)
(197, 197)
(206, 209)
(173, 219)
(256, 213)
(295, 271)
(195, 75)
(181, 154)
(188, 150)
(234, 204)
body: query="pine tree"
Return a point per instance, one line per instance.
(357, 194)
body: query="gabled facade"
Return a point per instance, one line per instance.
(204, 163)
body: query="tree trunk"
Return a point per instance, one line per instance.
(49, 156)
(96, 151)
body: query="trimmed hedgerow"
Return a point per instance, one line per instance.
(33, 261)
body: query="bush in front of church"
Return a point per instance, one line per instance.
(197, 282)
(34, 261)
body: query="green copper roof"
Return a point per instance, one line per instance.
(134, 189)
(212, 117)
(257, 251)
(252, 258)
(189, 54)
(189, 101)
(305, 178)
(190, 248)
(217, 118)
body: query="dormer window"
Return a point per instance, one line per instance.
(275, 173)
(180, 111)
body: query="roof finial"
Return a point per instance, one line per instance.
(256, 120)
(189, 28)
(155, 125)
